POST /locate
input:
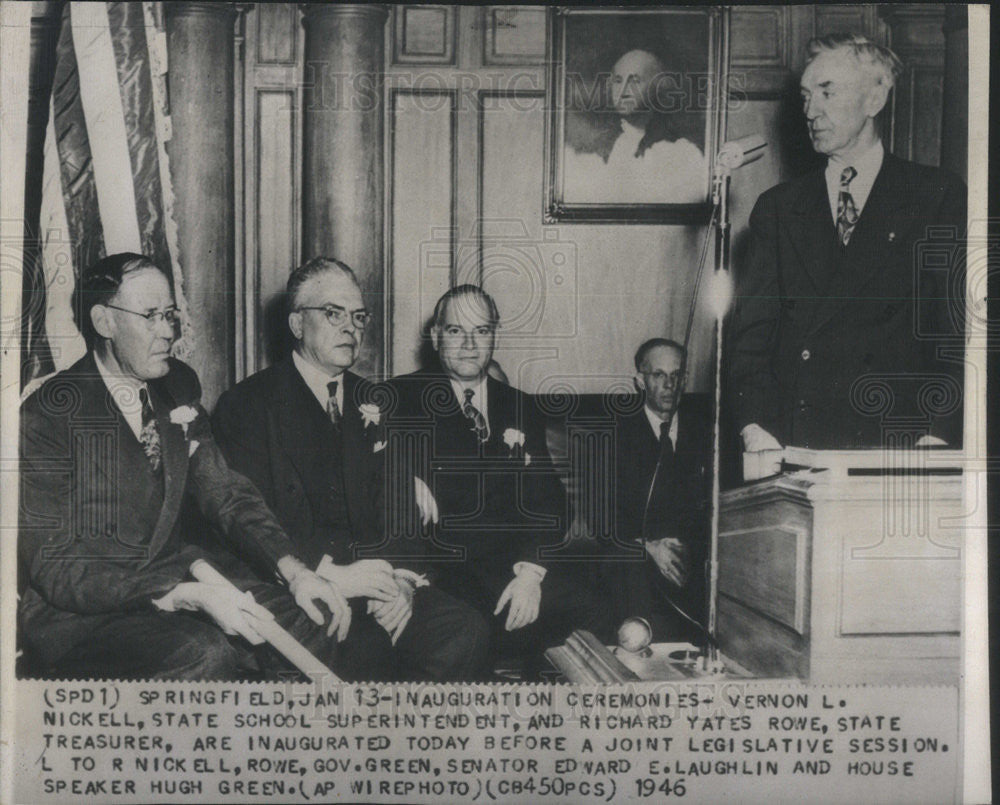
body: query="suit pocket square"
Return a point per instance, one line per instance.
(378, 447)
(192, 446)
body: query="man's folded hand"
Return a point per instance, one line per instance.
(235, 612)
(393, 616)
(366, 578)
(307, 588)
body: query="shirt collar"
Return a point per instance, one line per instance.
(654, 423)
(479, 397)
(124, 390)
(316, 379)
(867, 164)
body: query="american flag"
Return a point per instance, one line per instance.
(106, 180)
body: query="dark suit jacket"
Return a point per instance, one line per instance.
(99, 534)
(273, 430)
(499, 505)
(637, 451)
(830, 347)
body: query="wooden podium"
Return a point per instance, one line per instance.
(845, 568)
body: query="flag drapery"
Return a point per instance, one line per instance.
(105, 180)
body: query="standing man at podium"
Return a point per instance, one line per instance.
(839, 325)
(663, 481)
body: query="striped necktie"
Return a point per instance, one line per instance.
(332, 409)
(847, 212)
(479, 423)
(149, 436)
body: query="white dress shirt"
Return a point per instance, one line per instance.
(125, 392)
(867, 165)
(316, 379)
(654, 423)
(666, 172)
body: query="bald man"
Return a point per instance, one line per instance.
(646, 163)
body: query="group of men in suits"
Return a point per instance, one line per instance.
(404, 530)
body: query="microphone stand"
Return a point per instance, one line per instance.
(720, 201)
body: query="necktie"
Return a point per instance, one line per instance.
(479, 423)
(847, 212)
(658, 503)
(149, 436)
(332, 409)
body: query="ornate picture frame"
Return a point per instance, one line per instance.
(636, 112)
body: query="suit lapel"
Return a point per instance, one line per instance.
(295, 407)
(812, 231)
(98, 408)
(355, 446)
(174, 455)
(863, 261)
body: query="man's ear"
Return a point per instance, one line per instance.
(295, 324)
(435, 337)
(878, 94)
(640, 381)
(101, 320)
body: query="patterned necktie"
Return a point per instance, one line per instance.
(332, 409)
(149, 436)
(479, 423)
(847, 212)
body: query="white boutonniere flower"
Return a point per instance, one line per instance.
(370, 414)
(183, 415)
(513, 437)
(378, 447)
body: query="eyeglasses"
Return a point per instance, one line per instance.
(337, 315)
(171, 315)
(673, 379)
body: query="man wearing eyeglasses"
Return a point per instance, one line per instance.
(663, 481)
(110, 448)
(490, 496)
(309, 433)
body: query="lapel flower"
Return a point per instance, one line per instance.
(183, 415)
(513, 437)
(370, 414)
(378, 447)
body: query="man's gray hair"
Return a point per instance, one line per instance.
(886, 62)
(312, 268)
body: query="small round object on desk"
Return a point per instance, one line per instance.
(635, 635)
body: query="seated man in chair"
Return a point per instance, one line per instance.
(663, 480)
(308, 432)
(109, 449)
(487, 479)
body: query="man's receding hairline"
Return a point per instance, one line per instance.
(673, 348)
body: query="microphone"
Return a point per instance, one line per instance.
(737, 153)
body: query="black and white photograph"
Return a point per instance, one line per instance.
(635, 109)
(530, 403)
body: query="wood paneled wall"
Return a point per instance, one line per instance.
(464, 144)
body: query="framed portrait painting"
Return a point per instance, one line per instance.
(635, 113)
